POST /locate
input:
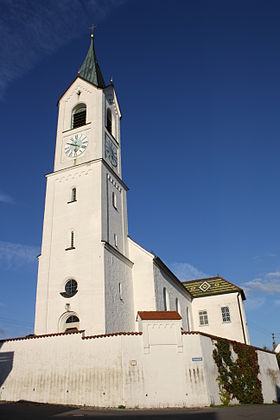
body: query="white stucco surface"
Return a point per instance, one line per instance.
(212, 304)
(158, 368)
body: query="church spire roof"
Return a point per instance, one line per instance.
(90, 69)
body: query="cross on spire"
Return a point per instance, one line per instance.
(92, 27)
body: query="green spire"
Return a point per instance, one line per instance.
(90, 69)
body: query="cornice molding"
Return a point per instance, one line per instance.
(80, 165)
(118, 254)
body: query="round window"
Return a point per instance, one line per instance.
(71, 287)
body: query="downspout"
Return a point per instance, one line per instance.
(241, 319)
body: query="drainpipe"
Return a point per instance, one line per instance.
(241, 318)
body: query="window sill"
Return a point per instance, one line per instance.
(72, 201)
(72, 129)
(111, 135)
(68, 249)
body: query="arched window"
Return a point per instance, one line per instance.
(79, 115)
(71, 319)
(187, 319)
(72, 323)
(109, 120)
(164, 299)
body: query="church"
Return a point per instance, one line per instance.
(112, 321)
(92, 275)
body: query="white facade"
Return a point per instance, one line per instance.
(233, 329)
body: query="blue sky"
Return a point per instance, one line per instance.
(199, 88)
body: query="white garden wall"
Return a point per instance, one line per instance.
(160, 367)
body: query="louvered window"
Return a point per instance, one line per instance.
(109, 121)
(79, 116)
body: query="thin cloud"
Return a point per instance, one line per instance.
(32, 29)
(16, 255)
(263, 285)
(186, 271)
(5, 198)
(274, 274)
(255, 302)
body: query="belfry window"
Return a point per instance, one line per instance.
(79, 115)
(109, 120)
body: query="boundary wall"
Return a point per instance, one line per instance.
(157, 367)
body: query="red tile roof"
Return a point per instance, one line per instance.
(87, 337)
(159, 315)
(33, 336)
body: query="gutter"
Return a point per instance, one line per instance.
(241, 318)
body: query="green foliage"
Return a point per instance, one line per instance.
(238, 378)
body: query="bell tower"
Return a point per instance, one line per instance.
(84, 273)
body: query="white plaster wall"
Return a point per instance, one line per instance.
(213, 304)
(160, 368)
(114, 219)
(85, 263)
(269, 376)
(119, 309)
(161, 280)
(201, 390)
(142, 278)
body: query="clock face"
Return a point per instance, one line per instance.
(111, 152)
(76, 145)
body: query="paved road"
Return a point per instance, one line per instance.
(32, 411)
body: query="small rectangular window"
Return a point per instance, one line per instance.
(203, 318)
(114, 200)
(73, 196)
(72, 241)
(225, 314)
(116, 240)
